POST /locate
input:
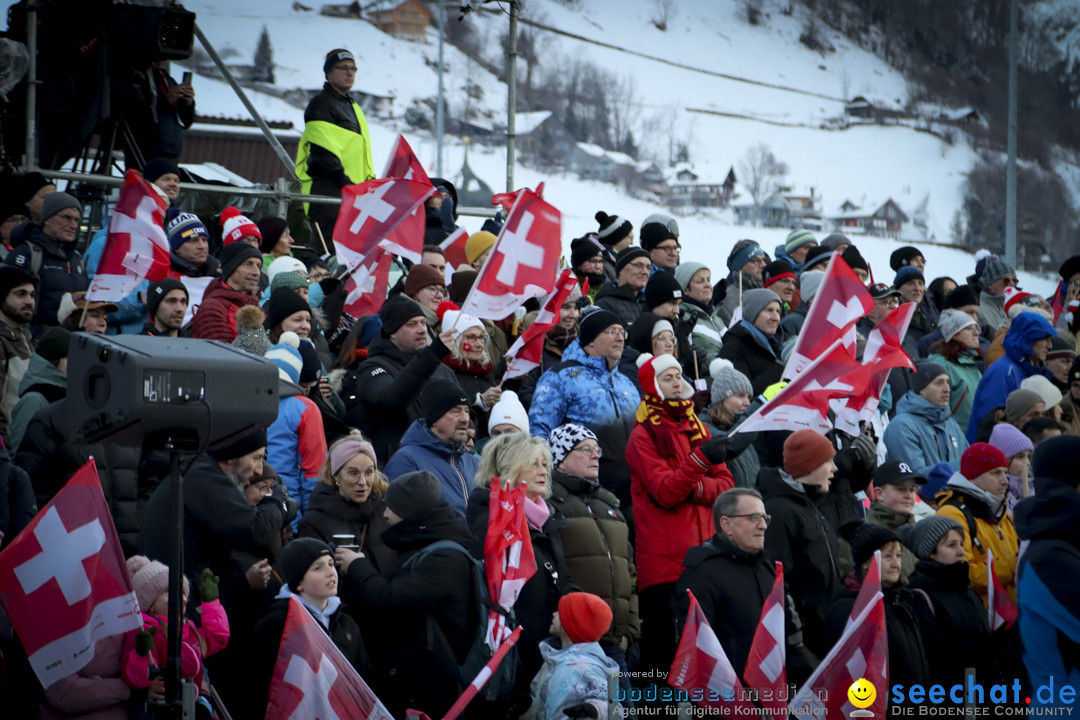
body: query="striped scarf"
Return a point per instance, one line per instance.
(651, 414)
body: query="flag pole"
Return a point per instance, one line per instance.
(483, 676)
(491, 254)
(322, 240)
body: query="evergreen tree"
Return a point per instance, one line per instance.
(263, 65)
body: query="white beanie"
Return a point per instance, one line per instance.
(509, 411)
(460, 322)
(285, 264)
(1045, 389)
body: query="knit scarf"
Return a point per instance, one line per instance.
(652, 413)
(466, 367)
(536, 513)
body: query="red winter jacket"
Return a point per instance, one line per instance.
(216, 318)
(673, 499)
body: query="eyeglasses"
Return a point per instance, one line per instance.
(346, 68)
(474, 338)
(669, 248)
(616, 332)
(589, 451)
(665, 337)
(891, 301)
(264, 487)
(754, 518)
(640, 265)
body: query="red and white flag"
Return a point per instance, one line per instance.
(481, 678)
(861, 652)
(838, 305)
(313, 680)
(507, 199)
(870, 589)
(403, 163)
(387, 212)
(702, 668)
(136, 248)
(453, 248)
(366, 288)
(883, 352)
(508, 555)
(999, 606)
(64, 582)
(765, 666)
(804, 402)
(522, 264)
(525, 353)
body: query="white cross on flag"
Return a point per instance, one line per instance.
(838, 305)
(525, 353)
(136, 248)
(403, 163)
(861, 652)
(701, 667)
(765, 665)
(367, 286)
(64, 582)
(522, 264)
(313, 681)
(387, 212)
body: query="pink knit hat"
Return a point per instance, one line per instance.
(149, 578)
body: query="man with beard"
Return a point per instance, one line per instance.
(167, 302)
(18, 294)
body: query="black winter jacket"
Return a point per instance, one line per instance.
(622, 300)
(751, 358)
(959, 635)
(330, 514)
(17, 504)
(61, 271)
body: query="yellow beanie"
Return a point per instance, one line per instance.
(477, 244)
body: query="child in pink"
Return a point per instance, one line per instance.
(151, 582)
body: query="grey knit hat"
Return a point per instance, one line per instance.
(685, 272)
(809, 284)
(250, 335)
(565, 438)
(727, 381)
(995, 269)
(57, 202)
(952, 322)
(922, 538)
(1019, 402)
(756, 300)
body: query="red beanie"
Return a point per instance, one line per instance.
(980, 458)
(584, 617)
(805, 451)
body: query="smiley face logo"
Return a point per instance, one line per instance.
(862, 693)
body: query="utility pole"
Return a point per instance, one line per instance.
(1010, 173)
(440, 116)
(511, 95)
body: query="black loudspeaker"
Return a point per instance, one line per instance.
(131, 388)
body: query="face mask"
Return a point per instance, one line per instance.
(316, 296)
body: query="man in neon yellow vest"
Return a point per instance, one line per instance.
(335, 149)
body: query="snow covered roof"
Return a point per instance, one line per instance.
(212, 172)
(526, 122)
(598, 152)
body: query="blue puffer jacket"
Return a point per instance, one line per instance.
(580, 390)
(421, 449)
(1008, 372)
(923, 434)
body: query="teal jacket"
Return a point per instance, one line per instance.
(964, 377)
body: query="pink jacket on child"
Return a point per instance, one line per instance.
(196, 644)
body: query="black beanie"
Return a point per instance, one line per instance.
(30, 183)
(661, 288)
(866, 538)
(655, 233)
(962, 296)
(233, 256)
(925, 373)
(283, 302)
(271, 229)
(239, 445)
(159, 166)
(612, 228)
(854, 258)
(397, 311)
(296, 558)
(1055, 459)
(582, 249)
(413, 493)
(628, 255)
(595, 323)
(12, 277)
(903, 256)
(53, 344)
(440, 398)
(334, 57)
(157, 292)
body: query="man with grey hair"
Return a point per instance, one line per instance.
(731, 575)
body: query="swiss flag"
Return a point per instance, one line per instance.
(525, 353)
(839, 304)
(403, 163)
(870, 588)
(861, 652)
(883, 352)
(507, 199)
(387, 212)
(765, 666)
(804, 402)
(313, 681)
(702, 668)
(136, 248)
(64, 582)
(523, 262)
(999, 605)
(366, 287)
(508, 555)
(453, 248)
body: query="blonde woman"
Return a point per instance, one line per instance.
(471, 363)
(520, 459)
(348, 502)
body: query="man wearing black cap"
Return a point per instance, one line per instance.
(383, 395)
(436, 442)
(625, 297)
(923, 432)
(217, 516)
(49, 252)
(167, 303)
(425, 607)
(330, 155)
(241, 271)
(18, 293)
(586, 388)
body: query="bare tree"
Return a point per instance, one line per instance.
(665, 10)
(753, 11)
(625, 107)
(761, 174)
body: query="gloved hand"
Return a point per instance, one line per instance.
(144, 641)
(865, 449)
(208, 585)
(715, 449)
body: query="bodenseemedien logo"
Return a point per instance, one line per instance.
(862, 694)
